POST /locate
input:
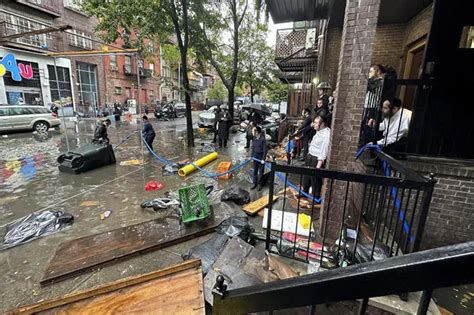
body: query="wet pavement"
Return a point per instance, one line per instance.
(30, 181)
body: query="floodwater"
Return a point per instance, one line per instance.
(30, 181)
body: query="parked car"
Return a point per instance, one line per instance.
(180, 109)
(26, 117)
(207, 118)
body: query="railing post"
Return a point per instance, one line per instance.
(363, 306)
(270, 206)
(424, 302)
(218, 292)
(425, 206)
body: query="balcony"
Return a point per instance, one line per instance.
(296, 48)
(11, 25)
(50, 7)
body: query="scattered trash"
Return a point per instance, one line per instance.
(298, 224)
(152, 185)
(89, 203)
(131, 162)
(35, 225)
(212, 248)
(106, 214)
(35, 293)
(160, 203)
(222, 168)
(4, 136)
(170, 169)
(236, 194)
(208, 148)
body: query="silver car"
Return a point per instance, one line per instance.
(24, 117)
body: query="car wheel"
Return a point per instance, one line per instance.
(41, 126)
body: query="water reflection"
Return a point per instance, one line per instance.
(20, 171)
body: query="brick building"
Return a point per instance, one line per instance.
(121, 73)
(81, 83)
(431, 54)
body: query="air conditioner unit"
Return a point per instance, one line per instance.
(113, 67)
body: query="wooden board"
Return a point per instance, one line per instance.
(257, 205)
(81, 255)
(174, 290)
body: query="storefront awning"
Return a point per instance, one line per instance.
(298, 10)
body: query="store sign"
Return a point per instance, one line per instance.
(17, 71)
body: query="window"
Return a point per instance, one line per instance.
(128, 64)
(118, 90)
(34, 82)
(73, 4)
(16, 24)
(64, 81)
(151, 50)
(152, 68)
(128, 92)
(86, 74)
(467, 37)
(113, 61)
(79, 39)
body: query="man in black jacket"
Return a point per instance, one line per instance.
(148, 132)
(100, 132)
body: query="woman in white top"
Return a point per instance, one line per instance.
(317, 154)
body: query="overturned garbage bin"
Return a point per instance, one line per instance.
(86, 158)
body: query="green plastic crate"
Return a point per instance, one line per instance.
(194, 204)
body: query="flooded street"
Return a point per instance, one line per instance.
(30, 181)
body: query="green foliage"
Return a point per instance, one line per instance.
(277, 92)
(171, 54)
(217, 92)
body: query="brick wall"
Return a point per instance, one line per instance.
(331, 60)
(451, 215)
(388, 46)
(418, 26)
(358, 33)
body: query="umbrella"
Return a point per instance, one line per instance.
(259, 107)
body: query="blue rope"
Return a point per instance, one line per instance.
(214, 175)
(126, 139)
(406, 226)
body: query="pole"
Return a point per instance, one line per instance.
(138, 104)
(179, 81)
(61, 102)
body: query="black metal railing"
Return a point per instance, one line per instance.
(426, 270)
(361, 217)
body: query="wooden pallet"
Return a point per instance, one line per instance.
(174, 290)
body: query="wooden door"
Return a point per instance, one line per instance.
(415, 71)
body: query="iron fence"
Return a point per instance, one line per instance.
(360, 217)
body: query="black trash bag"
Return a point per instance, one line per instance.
(236, 226)
(236, 194)
(35, 225)
(364, 250)
(210, 250)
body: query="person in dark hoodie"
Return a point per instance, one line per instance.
(259, 151)
(148, 132)
(100, 132)
(306, 131)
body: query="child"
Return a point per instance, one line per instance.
(259, 151)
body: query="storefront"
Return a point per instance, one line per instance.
(30, 79)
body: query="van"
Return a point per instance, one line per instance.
(23, 117)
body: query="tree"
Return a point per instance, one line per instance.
(256, 60)
(215, 21)
(217, 92)
(277, 92)
(149, 19)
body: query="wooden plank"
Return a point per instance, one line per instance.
(173, 290)
(257, 205)
(81, 255)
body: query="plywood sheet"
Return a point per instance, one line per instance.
(174, 290)
(87, 253)
(257, 205)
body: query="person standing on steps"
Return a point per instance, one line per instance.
(148, 132)
(259, 152)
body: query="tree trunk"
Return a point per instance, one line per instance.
(189, 118)
(251, 92)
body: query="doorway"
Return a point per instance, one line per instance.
(413, 69)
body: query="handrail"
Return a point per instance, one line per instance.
(425, 270)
